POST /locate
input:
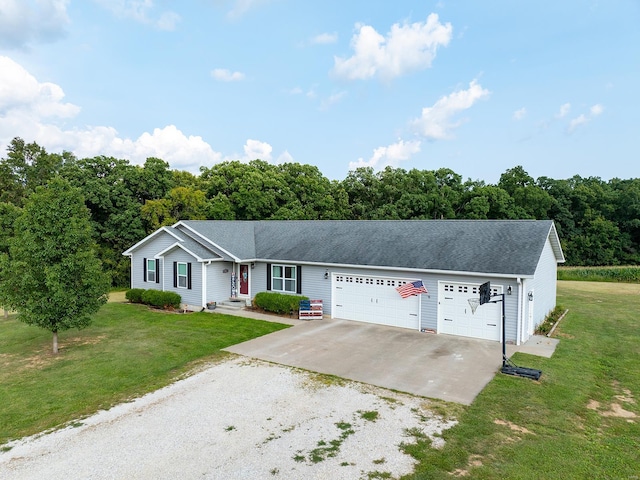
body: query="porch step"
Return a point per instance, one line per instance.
(231, 305)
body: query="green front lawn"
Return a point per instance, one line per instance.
(128, 351)
(581, 420)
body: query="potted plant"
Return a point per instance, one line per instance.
(211, 305)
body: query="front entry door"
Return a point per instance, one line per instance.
(244, 279)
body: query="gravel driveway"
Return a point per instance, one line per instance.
(239, 419)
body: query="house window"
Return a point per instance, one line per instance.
(182, 275)
(151, 270)
(283, 278)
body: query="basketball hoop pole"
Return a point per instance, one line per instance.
(504, 329)
(507, 366)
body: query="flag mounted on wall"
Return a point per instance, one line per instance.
(411, 288)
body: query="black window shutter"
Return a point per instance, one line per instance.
(144, 269)
(298, 279)
(175, 274)
(157, 270)
(189, 275)
(268, 276)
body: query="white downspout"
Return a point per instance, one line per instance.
(204, 283)
(519, 323)
(203, 290)
(163, 275)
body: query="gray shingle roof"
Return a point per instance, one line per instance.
(511, 247)
(237, 238)
(195, 247)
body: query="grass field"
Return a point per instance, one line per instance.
(581, 420)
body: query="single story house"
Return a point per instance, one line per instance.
(355, 268)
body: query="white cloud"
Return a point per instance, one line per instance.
(390, 155)
(143, 11)
(36, 111)
(255, 149)
(310, 93)
(240, 7)
(331, 100)
(23, 22)
(582, 119)
(596, 110)
(21, 95)
(258, 150)
(564, 110)
(168, 21)
(406, 48)
(285, 157)
(224, 75)
(576, 122)
(325, 38)
(169, 143)
(520, 114)
(437, 122)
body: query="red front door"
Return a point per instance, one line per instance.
(244, 279)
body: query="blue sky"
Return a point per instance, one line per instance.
(477, 87)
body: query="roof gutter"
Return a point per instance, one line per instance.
(394, 268)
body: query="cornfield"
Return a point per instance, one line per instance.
(629, 274)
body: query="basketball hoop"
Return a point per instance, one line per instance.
(474, 303)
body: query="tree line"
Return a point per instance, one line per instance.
(598, 221)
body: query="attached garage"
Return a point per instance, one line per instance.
(455, 316)
(374, 300)
(355, 266)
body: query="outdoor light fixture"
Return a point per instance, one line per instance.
(531, 296)
(509, 290)
(326, 274)
(253, 265)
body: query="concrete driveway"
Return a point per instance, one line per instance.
(446, 367)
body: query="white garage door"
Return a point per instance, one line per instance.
(456, 318)
(374, 300)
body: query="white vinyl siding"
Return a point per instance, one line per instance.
(193, 296)
(148, 251)
(218, 281)
(543, 287)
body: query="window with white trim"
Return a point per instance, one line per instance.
(151, 270)
(283, 278)
(182, 275)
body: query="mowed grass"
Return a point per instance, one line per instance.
(581, 420)
(129, 350)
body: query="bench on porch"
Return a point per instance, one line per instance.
(310, 310)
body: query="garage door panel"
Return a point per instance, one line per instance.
(374, 300)
(455, 316)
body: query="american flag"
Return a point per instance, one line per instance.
(411, 288)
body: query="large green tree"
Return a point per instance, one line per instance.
(26, 166)
(52, 276)
(182, 203)
(114, 191)
(8, 215)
